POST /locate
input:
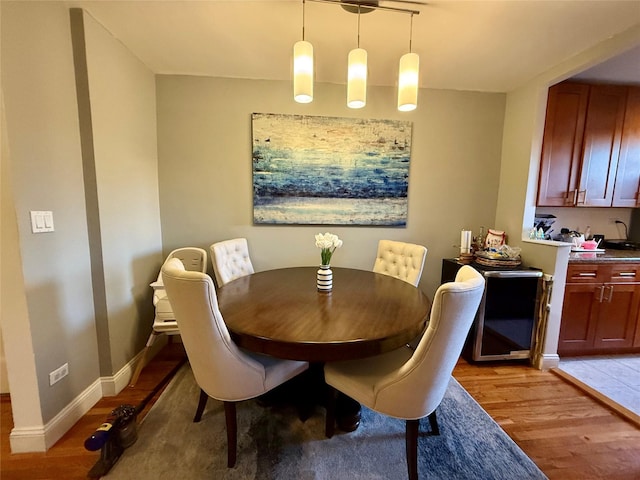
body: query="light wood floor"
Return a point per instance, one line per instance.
(566, 433)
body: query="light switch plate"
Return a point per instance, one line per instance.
(41, 221)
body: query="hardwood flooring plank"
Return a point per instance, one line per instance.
(568, 434)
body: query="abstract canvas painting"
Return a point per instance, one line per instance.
(329, 170)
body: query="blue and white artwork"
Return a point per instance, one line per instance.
(330, 171)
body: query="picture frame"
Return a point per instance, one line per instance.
(330, 170)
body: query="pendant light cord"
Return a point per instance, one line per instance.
(410, 33)
(358, 25)
(303, 4)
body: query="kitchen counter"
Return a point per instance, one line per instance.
(609, 255)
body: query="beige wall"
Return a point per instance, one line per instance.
(45, 171)
(204, 145)
(123, 115)
(98, 174)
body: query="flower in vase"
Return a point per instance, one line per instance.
(328, 244)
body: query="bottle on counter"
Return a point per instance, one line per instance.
(478, 241)
(587, 233)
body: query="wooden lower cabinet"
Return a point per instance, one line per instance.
(601, 310)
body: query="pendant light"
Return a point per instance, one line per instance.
(357, 75)
(303, 68)
(408, 78)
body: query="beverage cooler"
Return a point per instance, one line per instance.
(505, 325)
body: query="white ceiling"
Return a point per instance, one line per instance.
(482, 45)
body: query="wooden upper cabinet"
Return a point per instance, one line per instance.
(602, 135)
(591, 147)
(626, 192)
(562, 144)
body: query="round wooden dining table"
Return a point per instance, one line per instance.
(281, 313)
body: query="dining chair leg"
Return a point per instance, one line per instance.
(330, 420)
(412, 448)
(433, 423)
(232, 432)
(202, 402)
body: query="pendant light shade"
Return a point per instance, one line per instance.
(357, 78)
(357, 68)
(303, 72)
(408, 82)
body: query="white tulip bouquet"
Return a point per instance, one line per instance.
(328, 243)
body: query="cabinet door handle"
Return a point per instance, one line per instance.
(610, 293)
(570, 197)
(587, 274)
(627, 274)
(601, 294)
(584, 197)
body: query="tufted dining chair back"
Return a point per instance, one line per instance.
(411, 384)
(221, 369)
(231, 260)
(401, 260)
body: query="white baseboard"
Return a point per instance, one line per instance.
(41, 438)
(113, 385)
(547, 361)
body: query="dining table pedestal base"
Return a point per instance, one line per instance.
(307, 391)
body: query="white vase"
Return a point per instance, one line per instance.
(324, 278)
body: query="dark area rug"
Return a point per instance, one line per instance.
(273, 443)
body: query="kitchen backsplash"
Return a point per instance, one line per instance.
(601, 220)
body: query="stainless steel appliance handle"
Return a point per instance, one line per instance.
(513, 273)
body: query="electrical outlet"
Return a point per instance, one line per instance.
(58, 374)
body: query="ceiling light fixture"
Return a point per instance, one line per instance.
(408, 78)
(357, 64)
(357, 75)
(303, 68)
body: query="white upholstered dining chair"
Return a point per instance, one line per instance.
(164, 321)
(231, 260)
(410, 384)
(401, 260)
(221, 369)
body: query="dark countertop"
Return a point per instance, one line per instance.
(609, 255)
